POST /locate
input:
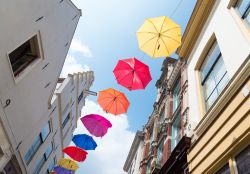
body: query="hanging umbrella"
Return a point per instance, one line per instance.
(159, 37)
(61, 170)
(76, 153)
(84, 141)
(96, 124)
(68, 164)
(132, 74)
(113, 101)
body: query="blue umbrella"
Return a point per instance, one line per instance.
(84, 141)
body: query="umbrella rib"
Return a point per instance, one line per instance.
(156, 45)
(122, 104)
(125, 77)
(148, 41)
(148, 32)
(171, 38)
(162, 23)
(165, 46)
(153, 25)
(104, 98)
(170, 29)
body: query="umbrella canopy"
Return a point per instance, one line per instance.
(113, 101)
(61, 170)
(84, 141)
(96, 124)
(76, 153)
(132, 74)
(68, 164)
(159, 37)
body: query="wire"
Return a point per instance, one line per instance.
(176, 8)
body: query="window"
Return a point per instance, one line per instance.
(37, 143)
(65, 109)
(214, 76)
(39, 165)
(44, 158)
(45, 132)
(22, 56)
(51, 165)
(224, 170)
(80, 97)
(162, 116)
(151, 139)
(48, 151)
(243, 161)
(160, 152)
(243, 6)
(148, 167)
(176, 95)
(66, 120)
(176, 131)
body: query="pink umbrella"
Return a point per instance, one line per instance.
(132, 74)
(96, 124)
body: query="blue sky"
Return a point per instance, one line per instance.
(105, 34)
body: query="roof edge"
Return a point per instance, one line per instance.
(195, 24)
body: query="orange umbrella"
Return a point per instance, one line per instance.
(113, 101)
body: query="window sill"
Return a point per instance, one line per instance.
(28, 69)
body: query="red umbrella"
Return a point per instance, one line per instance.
(132, 74)
(76, 153)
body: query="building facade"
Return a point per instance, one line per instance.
(168, 128)
(43, 151)
(35, 39)
(216, 46)
(132, 164)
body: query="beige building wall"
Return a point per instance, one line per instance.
(221, 131)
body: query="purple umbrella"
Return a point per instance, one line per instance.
(61, 170)
(96, 124)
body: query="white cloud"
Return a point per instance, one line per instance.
(112, 150)
(72, 66)
(78, 46)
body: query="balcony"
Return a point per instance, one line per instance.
(177, 162)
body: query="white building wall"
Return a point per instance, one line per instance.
(234, 44)
(29, 94)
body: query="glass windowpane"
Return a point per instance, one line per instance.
(160, 152)
(224, 170)
(242, 6)
(224, 81)
(211, 99)
(209, 86)
(219, 70)
(243, 161)
(45, 131)
(176, 95)
(209, 61)
(39, 165)
(48, 151)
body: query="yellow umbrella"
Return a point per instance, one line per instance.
(68, 164)
(159, 37)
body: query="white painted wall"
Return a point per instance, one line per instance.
(233, 43)
(28, 111)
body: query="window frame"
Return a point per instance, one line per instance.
(35, 45)
(204, 79)
(66, 120)
(32, 151)
(176, 119)
(177, 83)
(242, 16)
